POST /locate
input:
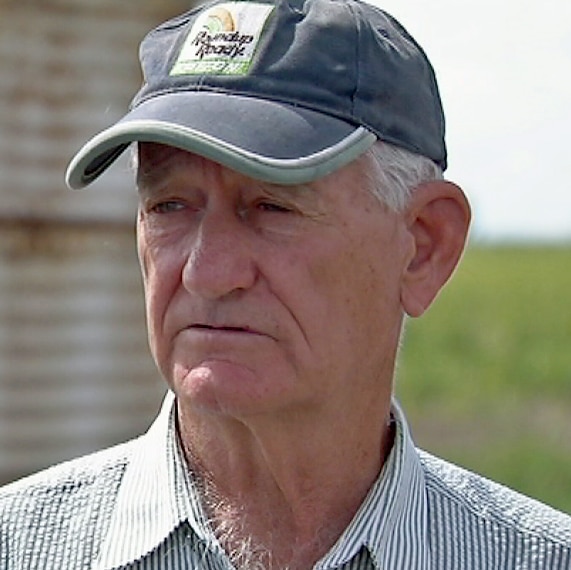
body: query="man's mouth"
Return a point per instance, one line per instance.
(222, 328)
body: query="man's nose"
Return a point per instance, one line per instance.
(220, 258)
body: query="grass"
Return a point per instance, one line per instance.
(485, 375)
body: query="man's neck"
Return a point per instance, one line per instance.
(280, 497)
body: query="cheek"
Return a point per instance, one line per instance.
(161, 277)
(317, 285)
(360, 293)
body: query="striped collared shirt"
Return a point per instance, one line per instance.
(135, 507)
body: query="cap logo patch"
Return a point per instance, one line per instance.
(223, 40)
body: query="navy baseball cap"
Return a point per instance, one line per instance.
(284, 91)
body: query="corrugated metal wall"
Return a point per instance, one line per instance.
(75, 374)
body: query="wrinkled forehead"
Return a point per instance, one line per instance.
(156, 163)
(154, 160)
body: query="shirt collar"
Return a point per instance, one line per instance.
(391, 523)
(154, 498)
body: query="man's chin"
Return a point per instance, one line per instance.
(228, 389)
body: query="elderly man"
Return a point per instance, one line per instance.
(292, 212)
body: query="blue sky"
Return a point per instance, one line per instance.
(504, 70)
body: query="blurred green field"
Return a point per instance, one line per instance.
(485, 375)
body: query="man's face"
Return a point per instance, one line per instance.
(268, 299)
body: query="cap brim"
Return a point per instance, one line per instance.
(267, 140)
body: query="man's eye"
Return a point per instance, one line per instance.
(167, 207)
(273, 207)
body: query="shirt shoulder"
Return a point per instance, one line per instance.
(60, 510)
(484, 524)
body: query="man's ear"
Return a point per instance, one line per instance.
(438, 218)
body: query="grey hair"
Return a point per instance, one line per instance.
(397, 172)
(134, 157)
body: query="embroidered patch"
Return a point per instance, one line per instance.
(223, 40)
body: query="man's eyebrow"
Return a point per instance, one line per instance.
(148, 180)
(293, 191)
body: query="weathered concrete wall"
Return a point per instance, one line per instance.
(75, 373)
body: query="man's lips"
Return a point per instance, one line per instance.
(206, 328)
(219, 336)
